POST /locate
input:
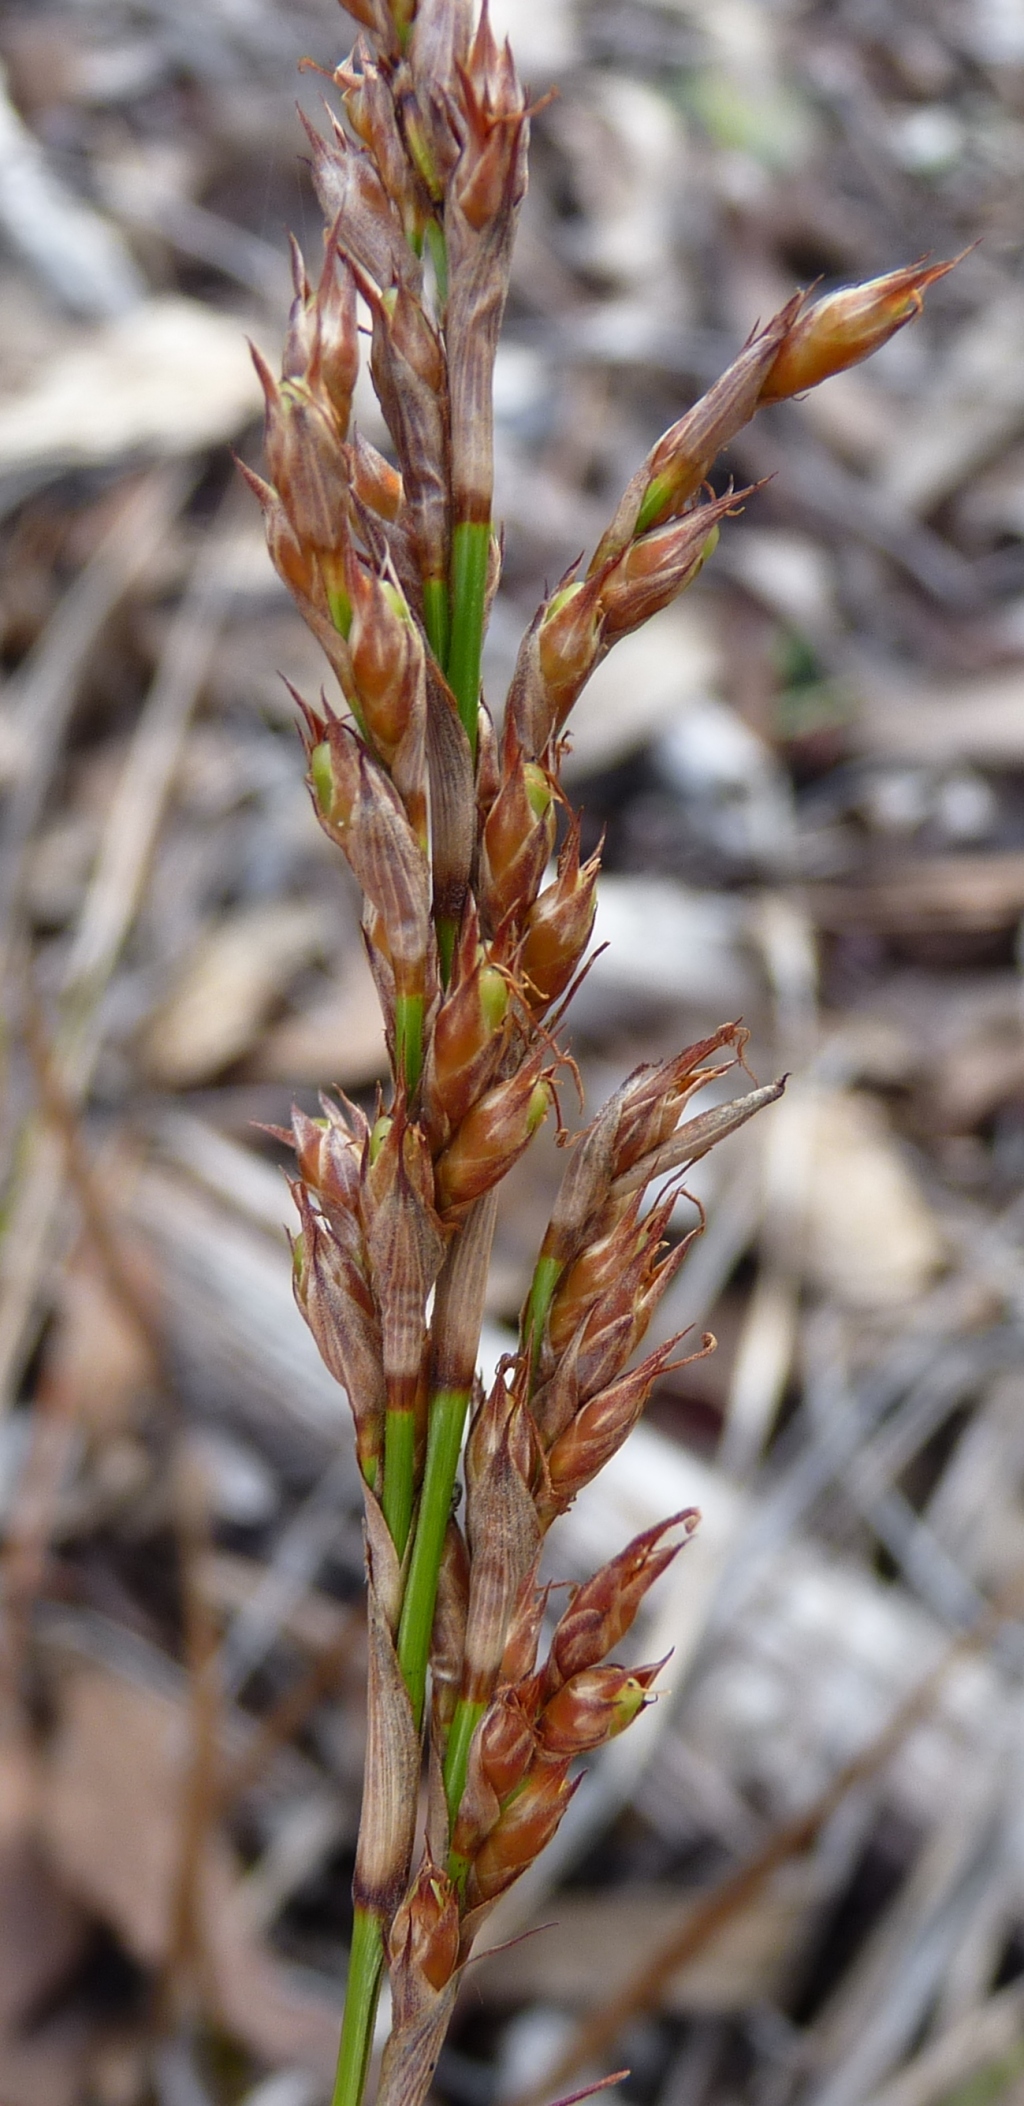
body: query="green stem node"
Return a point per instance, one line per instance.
(448, 1409)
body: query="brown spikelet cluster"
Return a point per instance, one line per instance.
(478, 910)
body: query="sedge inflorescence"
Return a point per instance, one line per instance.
(475, 936)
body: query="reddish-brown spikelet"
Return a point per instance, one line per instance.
(636, 1119)
(352, 196)
(518, 838)
(603, 1608)
(568, 639)
(502, 1750)
(610, 1323)
(387, 659)
(482, 201)
(336, 360)
(408, 367)
(374, 481)
(329, 1155)
(321, 347)
(522, 1831)
(389, 686)
(370, 108)
(656, 567)
(598, 1428)
(359, 808)
(846, 327)
(405, 1246)
(493, 1135)
(335, 1299)
(696, 1137)
(523, 1637)
(595, 1271)
(438, 48)
(677, 466)
(653, 1096)
(592, 1708)
(503, 1529)
(423, 1942)
(307, 461)
(558, 925)
(470, 1034)
(295, 563)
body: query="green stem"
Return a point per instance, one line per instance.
(456, 1760)
(409, 1039)
(447, 932)
(471, 548)
(448, 1409)
(547, 1274)
(437, 617)
(399, 1475)
(365, 1966)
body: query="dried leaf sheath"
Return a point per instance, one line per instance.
(472, 939)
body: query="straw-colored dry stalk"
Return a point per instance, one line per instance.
(450, 827)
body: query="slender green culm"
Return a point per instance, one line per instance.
(447, 932)
(437, 618)
(546, 1276)
(399, 1475)
(362, 1990)
(471, 549)
(409, 1039)
(456, 1760)
(448, 1408)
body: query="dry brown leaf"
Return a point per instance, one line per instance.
(98, 1361)
(216, 1011)
(971, 894)
(595, 1943)
(872, 1241)
(43, 1937)
(112, 1813)
(47, 2067)
(339, 1039)
(942, 724)
(169, 377)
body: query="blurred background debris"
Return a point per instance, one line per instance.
(801, 1878)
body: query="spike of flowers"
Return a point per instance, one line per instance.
(471, 938)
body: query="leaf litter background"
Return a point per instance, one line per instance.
(801, 1878)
